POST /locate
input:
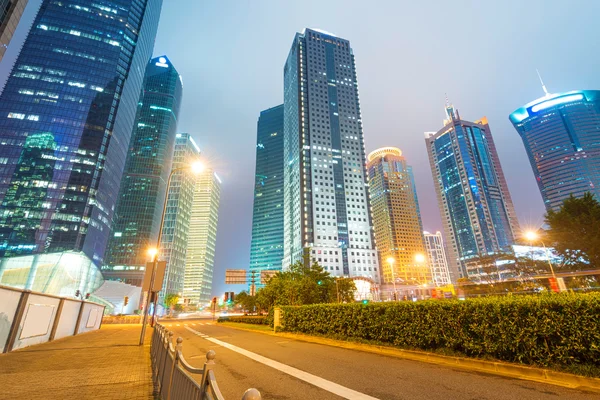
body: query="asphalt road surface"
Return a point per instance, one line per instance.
(288, 369)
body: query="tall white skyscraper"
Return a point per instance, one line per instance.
(326, 208)
(202, 238)
(438, 263)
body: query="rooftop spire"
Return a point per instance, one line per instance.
(542, 82)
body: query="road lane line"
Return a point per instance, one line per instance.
(317, 381)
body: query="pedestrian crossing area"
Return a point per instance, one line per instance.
(184, 324)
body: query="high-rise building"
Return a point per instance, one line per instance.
(396, 219)
(202, 239)
(10, 15)
(326, 208)
(180, 199)
(436, 254)
(561, 134)
(266, 249)
(476, 208)
(144, 184)
(66, 118)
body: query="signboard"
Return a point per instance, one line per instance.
(158, 278)
(236, 276)
(266, 275)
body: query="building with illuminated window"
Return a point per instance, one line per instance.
(266, 249)
(144, 184)
(202, 239)
(66, 117)
(180, 200)
(438, 263)
(10, 15)
(476, 208)
(326, 208)
(561, 134)
(396, 219)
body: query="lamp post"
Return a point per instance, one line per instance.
(196, 167)
(532, 236)
(391, 261)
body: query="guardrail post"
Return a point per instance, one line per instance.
(208, 365)
(178, 347)
(56, 320)
(79, 318)
(12, 334)
(251, 394)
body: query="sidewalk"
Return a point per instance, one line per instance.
(105, 364)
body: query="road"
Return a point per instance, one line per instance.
(280, 368)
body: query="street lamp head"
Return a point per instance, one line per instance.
(420, 258)
(531, 236)
(152, 251)
(197, 167)
(391, 260)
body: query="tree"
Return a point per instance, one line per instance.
(246, 301)
(575, 231)
(171, 300)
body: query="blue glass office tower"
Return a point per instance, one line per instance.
(326, 206)
(66, 117)
(475, 205)
(561, 134)
(266, 249)
(144, 184)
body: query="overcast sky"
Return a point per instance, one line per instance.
(409, 55)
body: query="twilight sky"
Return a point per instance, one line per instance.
(408, 56)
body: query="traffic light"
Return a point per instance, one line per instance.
(365, 301)
(318, 283)
(126, 300)
(226, 297)
(87, 296)
(231, 297)
(77, 293)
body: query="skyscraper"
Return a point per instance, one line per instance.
(476, 208)
(10, 15)
(561, 134)
(396, 219)
(266, 249)
(202, 239)
(66, 117)
(326, 208)
(144, 184)
(180, 198)
(434, 243)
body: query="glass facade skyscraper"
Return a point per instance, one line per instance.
(10, 15)
(436, 254)
(266, 249)
(475, 205)
(66, 117)
(396, 218)
(144, 184)
(561, 134)
(202, 239)
(326, 208)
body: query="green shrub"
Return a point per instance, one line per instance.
(542, 330)
(246, 319)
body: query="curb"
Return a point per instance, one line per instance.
(492, 367)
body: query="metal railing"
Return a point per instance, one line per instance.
(172, 375)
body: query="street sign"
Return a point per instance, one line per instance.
(158, 278)
(236, 276)
(266, 275)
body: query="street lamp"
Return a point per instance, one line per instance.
(391, 261)
(196, 167)
(533, 236)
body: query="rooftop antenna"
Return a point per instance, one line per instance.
(542, 82)
(447, 101)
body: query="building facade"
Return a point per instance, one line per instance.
(10, 15)
(144, 184)
(266, 249)
(326, 209)
(476, 208)
(561, 134)
(396, 218)
(66, 117)
(436, 254)
(202, 239)
(180, 199)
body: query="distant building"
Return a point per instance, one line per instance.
(180, 200)
(326, 207)
(10, 15)
(396, 219)
(266, 249)
(561, 134)
(476, 208)
(144, 184)
(434, 243)
(202, 239)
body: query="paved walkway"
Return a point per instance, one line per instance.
(105, 364)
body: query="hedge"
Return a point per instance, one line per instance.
(246, 319)
(543, 330)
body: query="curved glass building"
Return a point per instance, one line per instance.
(561, 134)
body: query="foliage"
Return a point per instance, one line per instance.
(304, 283)
(558, 330)
(575, 230)
(246, 301)
(170, 300)
(246, 319)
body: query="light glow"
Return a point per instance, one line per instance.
(555, 102)
(531, 236)
(420, 258)
(391, 260)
